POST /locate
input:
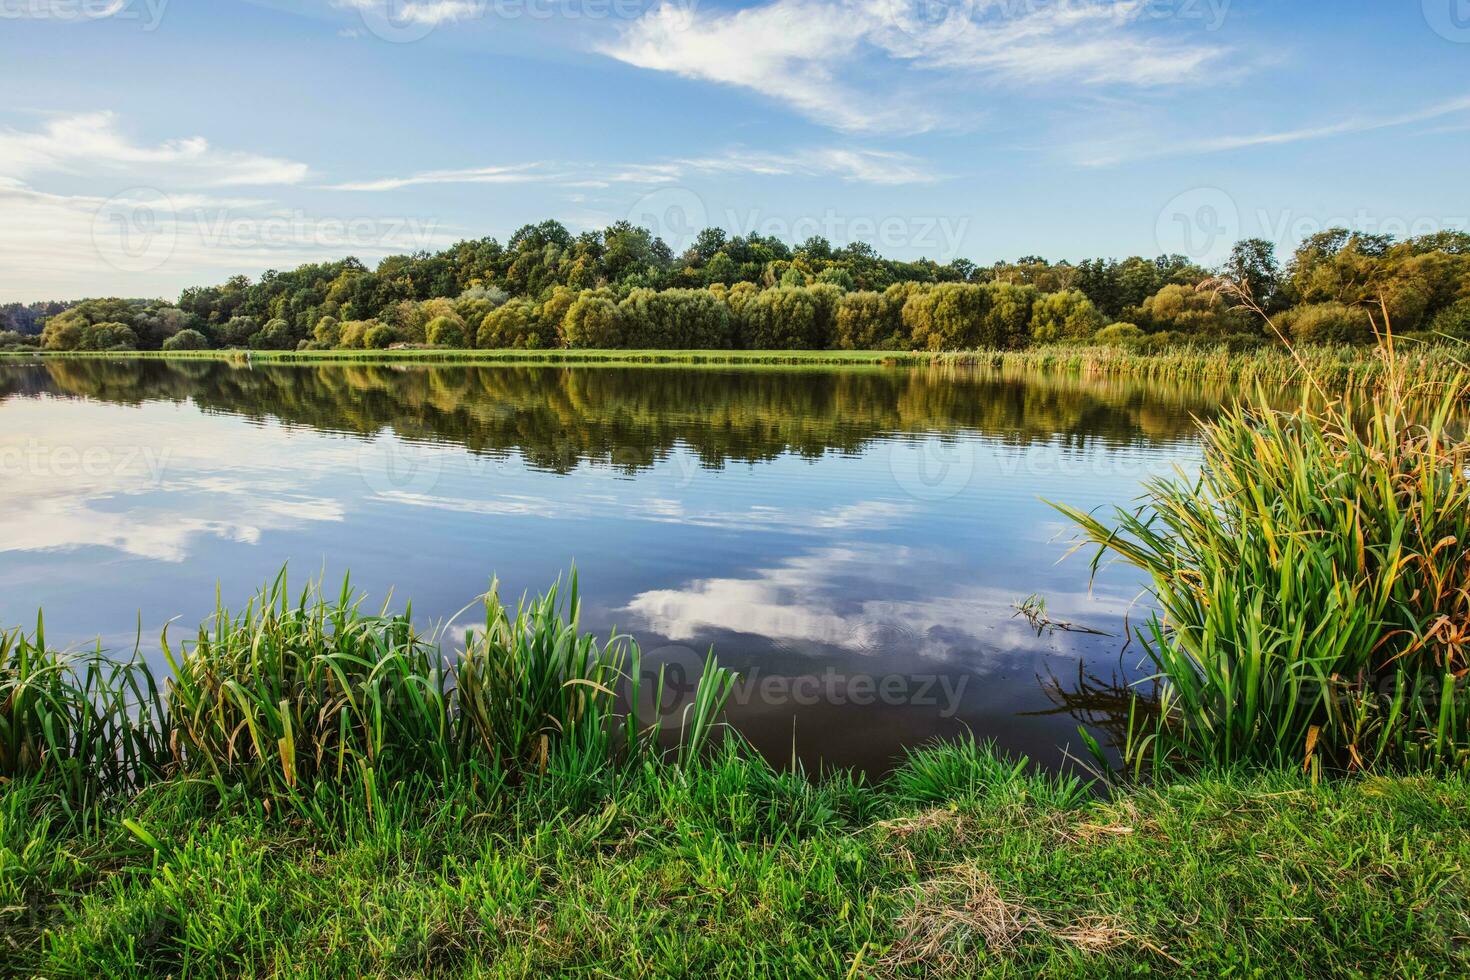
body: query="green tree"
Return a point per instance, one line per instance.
(593, 321)
(1065, 315)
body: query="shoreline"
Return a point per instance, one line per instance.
(1342, 367)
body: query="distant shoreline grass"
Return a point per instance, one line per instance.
(1339, 367)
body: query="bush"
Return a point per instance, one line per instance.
(592, 321)
(445, 331)
(675, 319)
(1121, 335)
(867, 321)
(1065, 315)
(327, 332)
(186, 340)
(1453, 321)
(379, 337)
(275, 335)
(353, 333)
(1196, 312)
(949, 316)
(791, 318)
(1327, 323)
(516, 324)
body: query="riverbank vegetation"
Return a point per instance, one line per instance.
(1311, 589)
(310, 789)
(623, 288)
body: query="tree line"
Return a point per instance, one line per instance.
(623, 287)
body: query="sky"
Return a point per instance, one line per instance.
(151, 145)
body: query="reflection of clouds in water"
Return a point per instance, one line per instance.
(153, 484)
(865, 515)
(797, 604)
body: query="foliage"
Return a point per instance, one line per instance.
(1123, 334)
(294, 700)
(1066, 315)
(1313, 589)
(1327, 323)
(186, 340)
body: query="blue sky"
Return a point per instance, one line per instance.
(147, 145)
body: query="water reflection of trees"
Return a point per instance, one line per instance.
(629, 417)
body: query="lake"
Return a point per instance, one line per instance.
(854, 541)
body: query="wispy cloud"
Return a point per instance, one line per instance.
(91, 143)
(840, 163)
(429, 13)
(515, 174)
(1142, 148)
(816, 55)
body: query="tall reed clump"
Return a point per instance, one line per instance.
(533, 684)
(1312, 587)
(90, 724)
(299, 698)
(306, 692)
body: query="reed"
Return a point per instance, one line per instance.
(88, 723)
(302, 697)
(1312, 585)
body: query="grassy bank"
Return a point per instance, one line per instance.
(1338, 367)
(956, 866)
(313, 788)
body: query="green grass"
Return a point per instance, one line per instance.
(959, 865)
(295, 701)
(1311, 588)
(1338, 367)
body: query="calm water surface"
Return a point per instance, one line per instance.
(852, 540)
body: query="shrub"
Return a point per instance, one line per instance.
(275, 335)
(1453, 321)
(379, 337)
(1120, 334)
(186, 340)
(592, 321)
(1327, 323)
(867, 321)
(327, 332)
(1064, 315)
(515, 324)
(1192, 311)
(353, 333)
(445, 331)
(687, 319)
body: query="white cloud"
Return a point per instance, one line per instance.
(70, 244)
(90, 143)
(842, 163)
(429, 13)
(514, 174)
(1142, 148)
(826, 58)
